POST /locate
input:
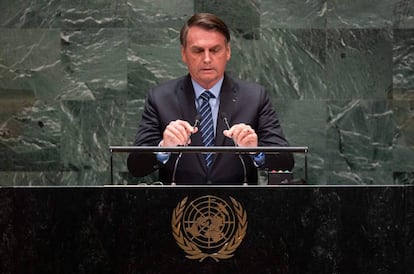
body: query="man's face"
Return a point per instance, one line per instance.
(206, 54)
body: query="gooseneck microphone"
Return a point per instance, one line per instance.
(226, 121)
(196, 122)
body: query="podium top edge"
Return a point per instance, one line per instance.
(213, 149)
(148, 186)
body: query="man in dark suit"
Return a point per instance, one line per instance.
(238, 112)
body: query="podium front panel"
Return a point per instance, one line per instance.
(165, 229)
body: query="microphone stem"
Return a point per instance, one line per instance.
(197, 120)
(175, 168)
(240, 157)
(244, 169)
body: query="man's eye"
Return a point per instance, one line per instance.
(215, 50)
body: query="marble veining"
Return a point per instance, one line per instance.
(74, 76)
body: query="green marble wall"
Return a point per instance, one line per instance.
(74, 74)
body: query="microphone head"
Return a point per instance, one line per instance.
(223, 115)
(197, 120)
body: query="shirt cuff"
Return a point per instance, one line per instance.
(162, 157)
(258, 159)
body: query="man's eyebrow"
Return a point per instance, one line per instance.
(216, 47)
(202, 48)
(196, 47)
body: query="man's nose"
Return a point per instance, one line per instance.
(207, 57)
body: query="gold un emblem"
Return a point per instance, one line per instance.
(209, 227)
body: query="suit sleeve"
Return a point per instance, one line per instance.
(270, 133)
(148, 134)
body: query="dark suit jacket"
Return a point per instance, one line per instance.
(242, 102)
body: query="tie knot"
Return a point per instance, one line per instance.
(206, 95)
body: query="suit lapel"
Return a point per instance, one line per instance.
(186, 99)
(228, 99)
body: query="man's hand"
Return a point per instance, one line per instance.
(177, 133)
(243, 135)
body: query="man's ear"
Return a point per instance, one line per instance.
(228, 51)
(183, 58)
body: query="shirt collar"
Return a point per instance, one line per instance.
(215, 89)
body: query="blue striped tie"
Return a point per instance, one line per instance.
(206, 124)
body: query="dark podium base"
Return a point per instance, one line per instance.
(290, 229)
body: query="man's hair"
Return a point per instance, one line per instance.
(205, 21)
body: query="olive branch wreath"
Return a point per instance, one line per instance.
(193, 252)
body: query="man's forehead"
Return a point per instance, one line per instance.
(205, 42)
(196, 46)
(200, 33)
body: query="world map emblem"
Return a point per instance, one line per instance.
(209, 227)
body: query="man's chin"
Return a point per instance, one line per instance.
(207, 82)
(208, 72)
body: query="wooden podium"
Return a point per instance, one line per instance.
(185, 229)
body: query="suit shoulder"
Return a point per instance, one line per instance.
(169, 85)
(243, 85)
